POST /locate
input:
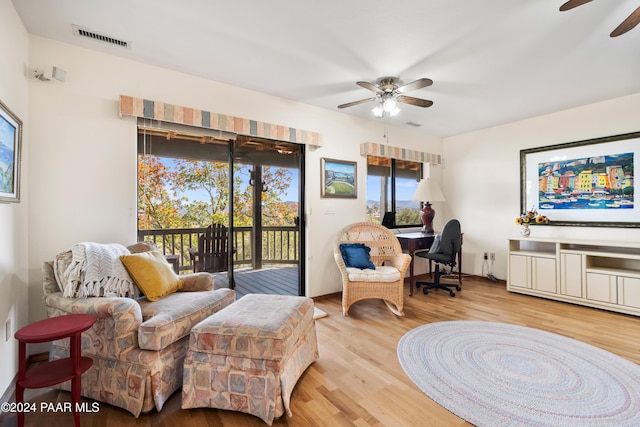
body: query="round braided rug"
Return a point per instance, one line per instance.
(496, 374)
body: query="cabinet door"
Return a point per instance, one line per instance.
(543, 272)
(519, 271)
(602, 287)
(629, 291)
(571, 275)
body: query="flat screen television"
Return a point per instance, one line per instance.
(387, 220)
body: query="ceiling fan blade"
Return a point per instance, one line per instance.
(418, 84)
(424, 103)
(573, 3)
(627, 24)
(362, 101)
(370, 86)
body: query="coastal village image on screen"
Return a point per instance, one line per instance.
(601, 182)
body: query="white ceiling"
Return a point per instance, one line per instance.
(492, 61)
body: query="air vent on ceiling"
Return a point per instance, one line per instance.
(414, 124)
(83, 32)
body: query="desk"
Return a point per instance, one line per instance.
(411, 242)
(47, 374)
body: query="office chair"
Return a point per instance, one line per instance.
(444, 250)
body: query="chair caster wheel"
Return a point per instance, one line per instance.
(451, 293)
(458, 288)
(425, 291)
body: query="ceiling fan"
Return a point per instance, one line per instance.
(626, 25)
(388, 94)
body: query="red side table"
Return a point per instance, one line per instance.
(47, 374)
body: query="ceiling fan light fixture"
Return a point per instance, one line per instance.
(388, 95)
(389, 104)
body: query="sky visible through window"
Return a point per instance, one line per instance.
(404, 188)
(291, 194)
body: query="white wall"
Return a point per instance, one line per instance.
(79, 164)
(481, 176)
(13, 217)
(83, 160)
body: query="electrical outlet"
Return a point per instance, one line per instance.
(7, 330)
(492, 256)
(486, 255)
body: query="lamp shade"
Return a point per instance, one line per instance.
(428, 191)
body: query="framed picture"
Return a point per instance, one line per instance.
(339, 178)
(584, 183)
(10, 148)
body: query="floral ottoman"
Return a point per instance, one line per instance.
(248, 356)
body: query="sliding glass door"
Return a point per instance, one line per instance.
(267, 206)
(249, 190)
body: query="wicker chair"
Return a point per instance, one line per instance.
(386, 281)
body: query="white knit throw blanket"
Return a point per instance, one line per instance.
(96, 270)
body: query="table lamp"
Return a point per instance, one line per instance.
(427, 192)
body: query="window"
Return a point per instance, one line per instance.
(183, 181)
(390, 186)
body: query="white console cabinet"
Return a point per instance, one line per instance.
(598, 274)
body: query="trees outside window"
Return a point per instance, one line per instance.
(184, 186)
(390, 187)
(182, 193)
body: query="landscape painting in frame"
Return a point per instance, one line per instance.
(338, 178)
(10, 146)
(589, 183)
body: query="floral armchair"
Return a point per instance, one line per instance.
(137, 346)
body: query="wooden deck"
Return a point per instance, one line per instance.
(273, 280)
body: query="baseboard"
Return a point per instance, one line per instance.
(321, 297)
(10, 392)
(423, 277)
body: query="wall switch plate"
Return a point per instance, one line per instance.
(492, 256)
(7, 330)
(330, 209)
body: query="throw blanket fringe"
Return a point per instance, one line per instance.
(96, 270)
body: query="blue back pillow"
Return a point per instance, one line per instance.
(356, 255)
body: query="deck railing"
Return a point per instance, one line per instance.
(279, 245)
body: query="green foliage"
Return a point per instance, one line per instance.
(274, 210)
(408, 217)
(162, 202)
(341, 188)
(6, 178)
(157, 206)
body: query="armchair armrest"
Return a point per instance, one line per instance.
(197, 282)
(341, 265)
(401, 262)
(116, 330)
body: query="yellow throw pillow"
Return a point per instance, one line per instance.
(152, 273)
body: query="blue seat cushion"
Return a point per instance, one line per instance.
(356, 255)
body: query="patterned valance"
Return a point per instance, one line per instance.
(383, 150)
(148, 109)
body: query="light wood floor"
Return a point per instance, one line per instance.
(358, 381)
